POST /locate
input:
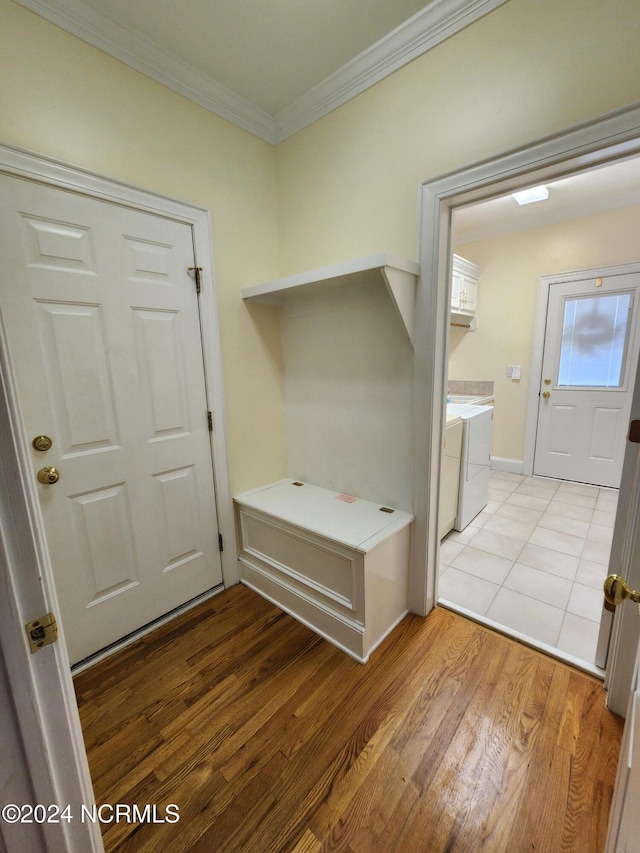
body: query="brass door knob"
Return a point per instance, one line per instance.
(546, 394)
(547, 381)
(616, 590)
(48, 476)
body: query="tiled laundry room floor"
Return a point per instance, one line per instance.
(534, 560)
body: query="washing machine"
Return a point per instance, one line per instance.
(473, 489)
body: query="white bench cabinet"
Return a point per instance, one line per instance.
(339, 565)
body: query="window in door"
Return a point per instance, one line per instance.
(595, 334)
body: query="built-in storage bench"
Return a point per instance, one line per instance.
(338, 564)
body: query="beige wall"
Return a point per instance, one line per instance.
(348, 184)
(345, 187)
(511, 267)
(65, 99)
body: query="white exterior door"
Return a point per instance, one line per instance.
(588, 369)
(104, 337)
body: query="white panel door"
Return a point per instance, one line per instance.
(588, 369)
(104, 336)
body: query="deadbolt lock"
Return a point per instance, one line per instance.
(42, 443)
(48, 476)
(547, 381)
(42, 632)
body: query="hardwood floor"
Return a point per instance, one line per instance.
(452, 738)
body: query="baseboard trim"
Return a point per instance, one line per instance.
(386, 633)
(346, 634)
(513, 466)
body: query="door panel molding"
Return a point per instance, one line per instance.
(20, 163)
(545, 283)
(43, 736)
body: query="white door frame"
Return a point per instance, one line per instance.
(533, 400)
(44, 758)
(587, 146)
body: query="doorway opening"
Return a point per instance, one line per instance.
(443, 201)
(533, 560)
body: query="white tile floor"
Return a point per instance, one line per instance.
(534, 560)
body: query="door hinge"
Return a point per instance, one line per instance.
(634, 432)
(42, 632)
(196, 272)
(220, 543)
(210, 421)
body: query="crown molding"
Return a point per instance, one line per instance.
(144, 55)
(428, 28)
(439, 20)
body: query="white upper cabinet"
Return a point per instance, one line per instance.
(464, 292)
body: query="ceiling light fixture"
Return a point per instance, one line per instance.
(532, 194)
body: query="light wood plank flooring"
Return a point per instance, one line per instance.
(452, 738)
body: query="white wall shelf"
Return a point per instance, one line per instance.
(399, 275)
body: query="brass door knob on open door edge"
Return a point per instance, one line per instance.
(546, 394)
(48, 476)
(616, 590)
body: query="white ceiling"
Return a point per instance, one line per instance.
(595, 191)
(268, 52)
(270, 66)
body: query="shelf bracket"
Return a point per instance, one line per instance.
(399, 275)
(401, 286)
